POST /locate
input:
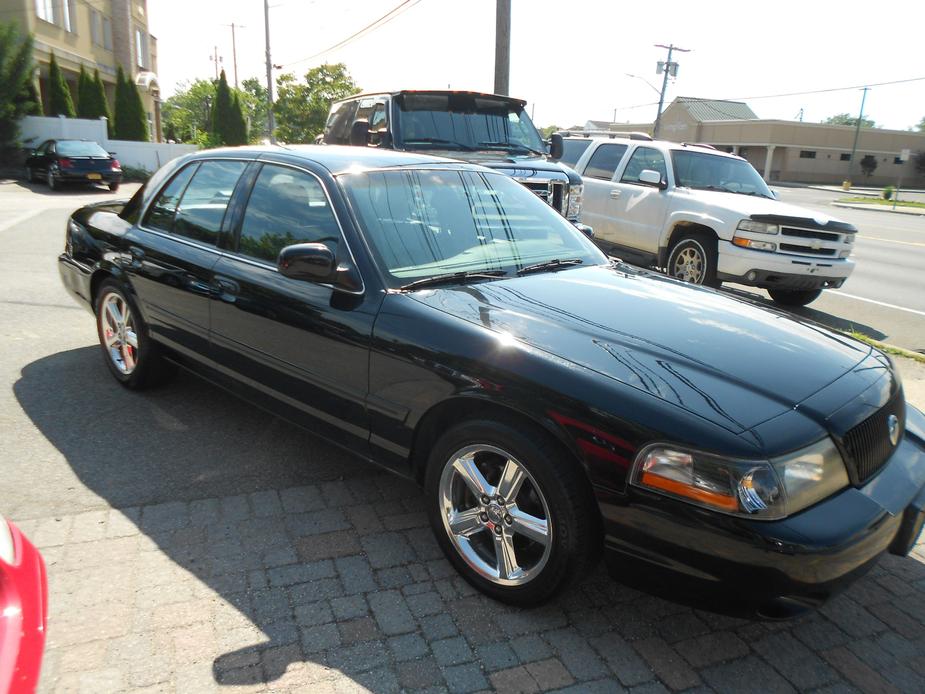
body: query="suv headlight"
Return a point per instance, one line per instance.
(6, 542)
(758, 227)
(759, 489)
(575, 194)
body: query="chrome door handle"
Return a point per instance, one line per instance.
(615, 193)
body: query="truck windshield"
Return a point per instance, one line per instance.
(467, 122)
(423, 223)
(703, 171)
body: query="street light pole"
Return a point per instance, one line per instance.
(669, 67)
(271, 118)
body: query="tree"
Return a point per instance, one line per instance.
(100, 102)
(848, 119)
(239, 124)
(253, 97)
(187, 114)
(17, 92)
(228, 126)
(86, 95)
(59, 99)
(131, 123)
(921, 126)
(302, 109)
(549, 130)
(869, 165)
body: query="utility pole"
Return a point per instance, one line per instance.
(234, 50)
(216, 59)
(271, 118)
(857, 133)
(669, 68)
(503, 47)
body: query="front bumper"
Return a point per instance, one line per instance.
(774, 567)
(776, 270)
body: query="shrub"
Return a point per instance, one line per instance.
(888, 192)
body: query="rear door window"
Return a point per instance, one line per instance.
(202, 207)
(604, 161)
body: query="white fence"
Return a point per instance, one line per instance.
(150, 156)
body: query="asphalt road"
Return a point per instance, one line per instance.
(885, 296)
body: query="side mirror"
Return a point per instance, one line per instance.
(584, 229)
(306, 261)
(775, 194)
(652, 178)
(556, 146)
(111, 154)
(359, 133)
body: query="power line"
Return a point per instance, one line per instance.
(384, 19)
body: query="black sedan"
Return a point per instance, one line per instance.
(437, 319)
(73, 161)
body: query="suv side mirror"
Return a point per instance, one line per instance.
(359, 133)
(556, 146)
(306, 261)
(652, 178)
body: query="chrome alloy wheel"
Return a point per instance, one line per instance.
(117, 326)
(495, 515)
(688, 265)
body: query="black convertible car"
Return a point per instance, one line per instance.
(438, 319)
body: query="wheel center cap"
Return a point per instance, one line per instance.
(495, 514)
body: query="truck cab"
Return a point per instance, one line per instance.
(487, 129)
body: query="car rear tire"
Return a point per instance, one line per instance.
(794, 298)
(30, 175)
(511, 511)
(693, 259)
(131, 356)
(51, 181)
(113, 187)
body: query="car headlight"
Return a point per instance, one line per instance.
(6, 542)
(759, 489)
(575, 193)
(758, 227)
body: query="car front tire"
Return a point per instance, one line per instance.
(511, 510)
(131, 356)
(113, 187)
(693, 259)
(794, 298)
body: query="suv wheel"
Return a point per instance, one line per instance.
(693, 259)
(511, 514)
(794, 298)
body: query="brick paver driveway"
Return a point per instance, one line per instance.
(195, 543)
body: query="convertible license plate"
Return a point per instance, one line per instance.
(94, 177)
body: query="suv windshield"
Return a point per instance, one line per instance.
(466, 122)
(423, 223)
(703, 171)
(79, 148)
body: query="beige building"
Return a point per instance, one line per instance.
(787, 150)
(100, 35)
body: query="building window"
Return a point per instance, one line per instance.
(58, 12)
(45, 9)
(96, 28)
(141, 48)
(807, 154)
(107, 33)
(845, 156)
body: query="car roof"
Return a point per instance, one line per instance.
(666, 144)
(437, 92)
(338, 159)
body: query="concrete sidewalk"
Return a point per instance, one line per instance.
(917, 211)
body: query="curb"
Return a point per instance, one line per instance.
(887, 347)
(877, 208)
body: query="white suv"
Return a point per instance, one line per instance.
(706, 217)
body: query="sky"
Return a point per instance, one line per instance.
(570, 60)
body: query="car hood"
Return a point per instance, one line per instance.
(731, 362)
(756, 207)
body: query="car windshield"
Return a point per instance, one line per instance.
(704, 171)
(425, 223)
(466, 122)
(79, 148)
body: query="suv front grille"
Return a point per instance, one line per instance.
(812, 242)
(810, 234)
(867, 446)
(553, 193)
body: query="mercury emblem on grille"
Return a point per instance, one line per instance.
(892, 423)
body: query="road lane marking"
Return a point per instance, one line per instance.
(877, 238)
(874, 301)
(19, 220)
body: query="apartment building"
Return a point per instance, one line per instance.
(97, 34)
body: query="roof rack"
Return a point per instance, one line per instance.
(607, 133)
(699, 144)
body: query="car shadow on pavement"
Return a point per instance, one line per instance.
(254, 553)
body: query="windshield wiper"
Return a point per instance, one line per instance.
(457, 277)
(438, 141)
(553, 264)
(510, 146)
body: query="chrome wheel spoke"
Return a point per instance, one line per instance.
(465, 523)
(512, 478)
(531, 527)
(467, 469)
(115, 316)
(131, 337)
(128, 358)
(507, 559)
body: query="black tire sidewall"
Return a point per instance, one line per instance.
(794, 298)
(539, 459)
(707, 249)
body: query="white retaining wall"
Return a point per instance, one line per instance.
(150, 156)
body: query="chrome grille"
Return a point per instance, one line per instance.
(867, 446)
(810, 234)
(553, 192)
(812, 242)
